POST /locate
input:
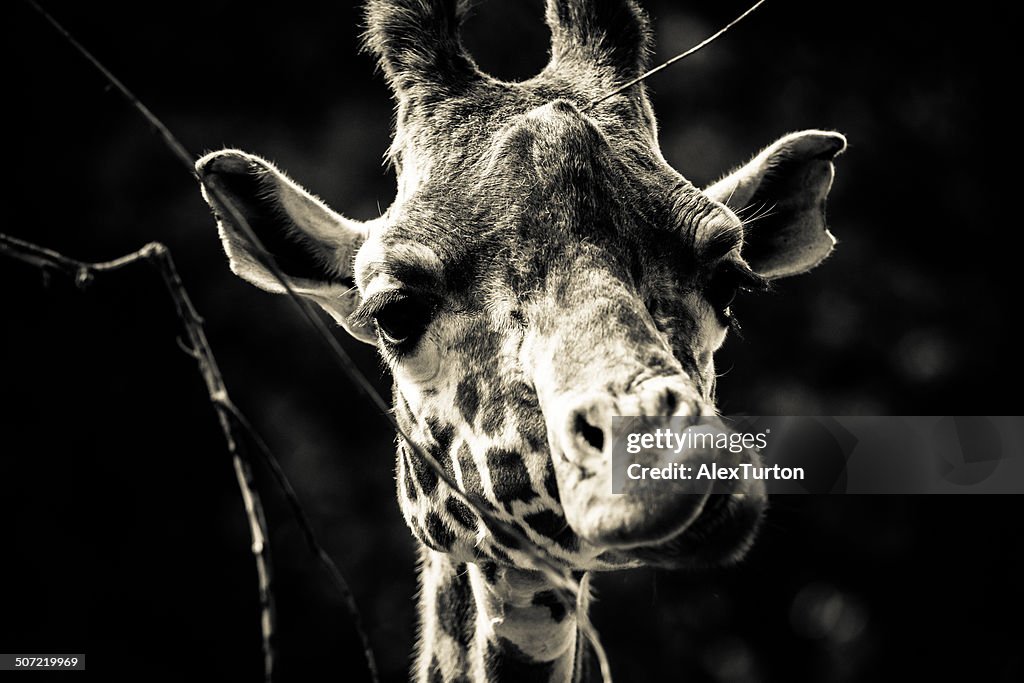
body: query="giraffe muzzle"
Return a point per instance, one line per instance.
(649, 512)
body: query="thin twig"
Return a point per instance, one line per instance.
(675, 59)
(158, 255)
(539, 558)
(172, 142)
(310, 536)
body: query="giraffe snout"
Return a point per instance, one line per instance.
(587, 429)
(645, 513)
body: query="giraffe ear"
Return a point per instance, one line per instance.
(312, 246)
(782, 193)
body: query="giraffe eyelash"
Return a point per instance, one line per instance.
(399, 316)
(367, 311)
(725, 284)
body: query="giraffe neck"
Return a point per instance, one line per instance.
(482, 622)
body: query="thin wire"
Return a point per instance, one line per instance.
(675, 59)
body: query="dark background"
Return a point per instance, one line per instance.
(124, 535)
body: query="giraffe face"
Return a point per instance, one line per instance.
(541, 269)
(524, 296)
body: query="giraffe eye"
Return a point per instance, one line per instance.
(727, 281)
(402, 321)
(721, 292)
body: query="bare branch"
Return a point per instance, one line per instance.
(172, 142)
(307, 531)
(158, 255)
(229, 415)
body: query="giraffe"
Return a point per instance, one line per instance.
(541, 269)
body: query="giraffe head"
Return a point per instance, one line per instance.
(541, 269)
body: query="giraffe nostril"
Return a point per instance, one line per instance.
(591, 435)
(671, 402)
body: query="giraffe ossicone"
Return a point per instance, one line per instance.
(541, 270)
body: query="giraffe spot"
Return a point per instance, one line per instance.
(424, 475)
(504, 661)
(510, 479)
(527, 414)
(442, 434)
(492, 419)
(471, 482)
(536, 441)
(439, 532)
(466, 464)
(456, 610)
(553, 602)
(467, 398)
(553, 525)
(460, 513)
(550, 483)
